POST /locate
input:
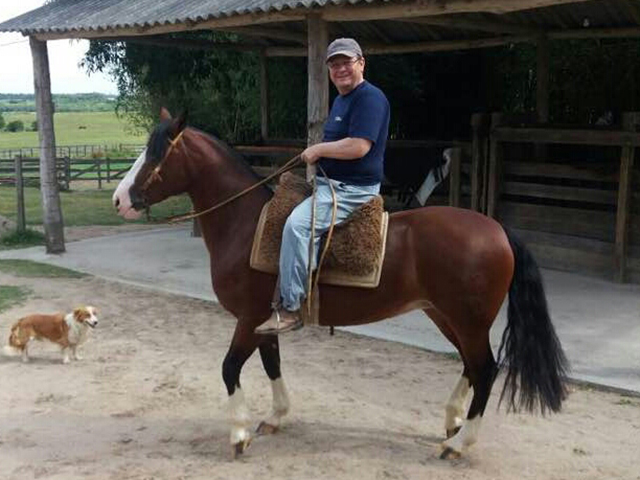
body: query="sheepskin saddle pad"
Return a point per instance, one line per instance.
(357, 246)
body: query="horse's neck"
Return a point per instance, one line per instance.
(227, 231)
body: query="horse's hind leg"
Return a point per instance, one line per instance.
(454, 409)
(270, 354)
(481, 365)
(242, 346)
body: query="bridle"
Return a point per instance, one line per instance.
(154, 176)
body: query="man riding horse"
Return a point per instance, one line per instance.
(351, 155)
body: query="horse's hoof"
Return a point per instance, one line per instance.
(265, 429)
(452, 431)
(449, 454)
(239, 448)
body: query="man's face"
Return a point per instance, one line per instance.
(346, 73)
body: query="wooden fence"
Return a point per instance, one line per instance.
(571, 193)
(73, 151)
(67, 170)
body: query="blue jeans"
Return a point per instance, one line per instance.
(294, 252)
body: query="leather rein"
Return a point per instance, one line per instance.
(155, 176)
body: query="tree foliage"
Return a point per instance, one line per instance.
(2, 122)
(431, 95)
(15, 126)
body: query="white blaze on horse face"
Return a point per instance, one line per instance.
(121, 198)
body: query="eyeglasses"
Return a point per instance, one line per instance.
(338, 64)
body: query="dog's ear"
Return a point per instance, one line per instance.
(80, 314)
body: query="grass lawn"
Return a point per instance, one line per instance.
(27, 268)
(102, 128)
(11, 295)
(84, 207)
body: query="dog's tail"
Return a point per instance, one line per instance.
(11, 351)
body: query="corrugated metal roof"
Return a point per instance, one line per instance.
(63, 17)
(69, 15)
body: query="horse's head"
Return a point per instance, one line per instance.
(158, 173)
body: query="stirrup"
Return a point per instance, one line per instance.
(276, 325)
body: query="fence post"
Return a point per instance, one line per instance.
(98, 167)
(629, 122)
(495, 154)
(479, 126)
(108, 170)
(21, 222)
(455, 179)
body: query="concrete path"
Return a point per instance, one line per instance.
(598, 322)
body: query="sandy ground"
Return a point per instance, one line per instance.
(148, 402)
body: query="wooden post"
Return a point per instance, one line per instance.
(318, 82)
(479, 126)
(542, 90)
(51, 209)
(99, 170)
(495, 154)
(629, 122)
(108, 170)
(21, 222)
(455, 177)
(264, 97)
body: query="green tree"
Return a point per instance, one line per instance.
(2, 122)
(15, 126)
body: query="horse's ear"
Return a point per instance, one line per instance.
(180, 122)
(164, 114)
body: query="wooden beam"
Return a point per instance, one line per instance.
(318, 79)
(264, 98)
(628, 32)
(51, 209)
(572, 137)
(455, 177)
(275, 33)
(476, 25)
(187, 43)
(378, 49)
(349, 13)
(495, 158)
(480, 129)
(542, 79)
(629, 121)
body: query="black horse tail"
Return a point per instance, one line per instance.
(535, 362)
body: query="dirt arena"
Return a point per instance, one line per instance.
(148, 402)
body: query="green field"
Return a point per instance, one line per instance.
(102, 128)
(84, 207)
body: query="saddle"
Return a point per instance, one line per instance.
(357, 247)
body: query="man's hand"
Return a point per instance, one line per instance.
(311, 154)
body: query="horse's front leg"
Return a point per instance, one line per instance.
(242, 346)
(270, 354)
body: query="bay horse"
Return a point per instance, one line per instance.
(456, 265)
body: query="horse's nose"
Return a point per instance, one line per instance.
(137, 201)
(117, 203)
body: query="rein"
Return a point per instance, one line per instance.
(155, 176)
(187, 216)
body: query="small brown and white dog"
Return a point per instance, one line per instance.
(68, 331)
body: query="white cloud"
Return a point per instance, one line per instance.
(16, 75)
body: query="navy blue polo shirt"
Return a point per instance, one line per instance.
(361, 113)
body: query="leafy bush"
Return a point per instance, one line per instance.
(1, 121)
(15, 126)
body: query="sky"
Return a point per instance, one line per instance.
(16, 73)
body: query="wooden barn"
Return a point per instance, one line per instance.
(577, 214)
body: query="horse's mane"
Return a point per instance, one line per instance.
(159, 142)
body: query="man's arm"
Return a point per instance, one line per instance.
(344, 149)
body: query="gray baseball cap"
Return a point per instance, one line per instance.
(344, 46)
